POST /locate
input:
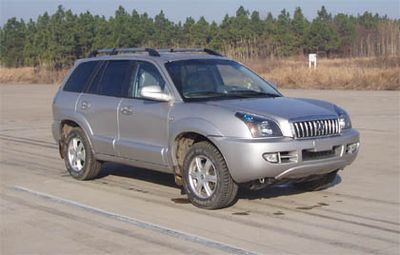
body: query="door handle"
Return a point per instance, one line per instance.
(126, 110)
(85, 105)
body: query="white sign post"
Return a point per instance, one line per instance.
(312, 60)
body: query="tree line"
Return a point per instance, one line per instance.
(56, 40)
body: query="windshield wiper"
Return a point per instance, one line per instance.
(204, 94)
(251, 93)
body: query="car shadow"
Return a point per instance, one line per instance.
(166, 179)
(278, 191)
(138, 174)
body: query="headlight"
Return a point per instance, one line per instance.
(344, 118)
(258, 126)
(344, 121)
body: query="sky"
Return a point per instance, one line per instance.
(178, 10)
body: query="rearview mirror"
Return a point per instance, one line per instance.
(155, 93)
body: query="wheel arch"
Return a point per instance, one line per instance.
(180, 145)
(65, 127)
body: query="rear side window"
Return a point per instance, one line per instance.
(113, 81)
(80, 76)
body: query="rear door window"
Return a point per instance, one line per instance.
(80, 76)
(112, 79)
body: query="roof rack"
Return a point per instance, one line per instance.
(115, 51)
(205, 50)
(152, 52)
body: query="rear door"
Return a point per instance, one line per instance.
(143, 123)
(100, 103)
(64, 106)
(64, 103)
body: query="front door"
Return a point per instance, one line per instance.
(143, 123)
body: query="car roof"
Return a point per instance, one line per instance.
(162, 55)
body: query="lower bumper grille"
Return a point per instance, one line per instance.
(316, 128)
(315, 155)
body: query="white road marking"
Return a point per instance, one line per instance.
(139, 223)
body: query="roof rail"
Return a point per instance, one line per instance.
(205, 50)
(152, 52)
(115, 51)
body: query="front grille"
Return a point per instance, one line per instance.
(316, 128)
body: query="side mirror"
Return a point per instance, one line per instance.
(155, 93)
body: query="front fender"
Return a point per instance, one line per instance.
(190, 125)
(194, 125)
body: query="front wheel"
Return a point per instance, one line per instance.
(78, 156)
(207, 180)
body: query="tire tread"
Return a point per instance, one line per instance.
(92, 166)
(230, 189)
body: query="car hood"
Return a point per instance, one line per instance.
(279, 107)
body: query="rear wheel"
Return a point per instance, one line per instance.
(323, 182)
(207, 180)
(78, 156)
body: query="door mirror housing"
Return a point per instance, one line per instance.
(154, 92)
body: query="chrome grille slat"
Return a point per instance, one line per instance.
(296, 128)
(319, 129)
(301, 129)
(330, 126)
(334, 126)
(326, 127)
(306, 128)
(315, 128)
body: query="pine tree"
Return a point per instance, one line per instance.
(321, 35)
(12, 43)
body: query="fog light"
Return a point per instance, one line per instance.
(352, 148)
(271, 157)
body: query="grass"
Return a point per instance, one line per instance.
(356, 73)
(351, 73)
(28, 75)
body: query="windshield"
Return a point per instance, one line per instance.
(206, 79)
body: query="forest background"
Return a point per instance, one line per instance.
(354, 52)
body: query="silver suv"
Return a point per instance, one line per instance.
(207, 119)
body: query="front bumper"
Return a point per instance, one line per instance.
(302, 157)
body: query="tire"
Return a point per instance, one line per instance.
(325, 181)
(78, 156)
(206, 178)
